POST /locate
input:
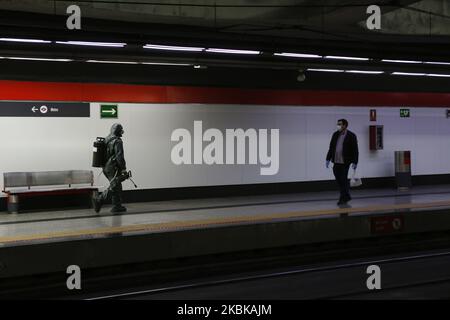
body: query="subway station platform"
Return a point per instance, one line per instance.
(44, 242)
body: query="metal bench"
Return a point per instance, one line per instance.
(21, 185)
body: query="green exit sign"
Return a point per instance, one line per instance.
(109, 111)
(404, 113)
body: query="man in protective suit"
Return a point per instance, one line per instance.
(115, 170)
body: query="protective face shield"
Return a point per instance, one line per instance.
(117, 130)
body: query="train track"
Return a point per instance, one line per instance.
(182, 291)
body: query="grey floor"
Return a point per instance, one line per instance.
(212, 208)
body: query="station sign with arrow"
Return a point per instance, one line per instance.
(109, 111)
(44, 109)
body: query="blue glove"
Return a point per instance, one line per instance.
(327, 164)
(354, 166)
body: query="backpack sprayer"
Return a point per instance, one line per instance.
(100, 158)
(126, 175)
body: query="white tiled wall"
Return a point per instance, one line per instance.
(31, 144)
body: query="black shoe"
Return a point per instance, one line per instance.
(117, 209)
(342, 201)
(347, 199)
(96, 203)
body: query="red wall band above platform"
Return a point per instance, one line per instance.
(93, 92)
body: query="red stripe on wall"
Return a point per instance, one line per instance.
(83, 92)
(92, 92)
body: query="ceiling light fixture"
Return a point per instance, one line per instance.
(172, 48)
(401, 61)
(346, 58)
(38, 59)
(438, 75)
(408, 74)
(325, 70)
(435, 62)
(167, 64)
(232, 51)
(364, 72)
(110, 61)
(24, 40)
(94, 44)
(297, 55)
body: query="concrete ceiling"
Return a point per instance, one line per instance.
(411, 29)
(402, 20)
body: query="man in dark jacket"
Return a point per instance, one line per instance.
(343, 152)
(115, 170)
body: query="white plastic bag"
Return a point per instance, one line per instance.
(355, 181)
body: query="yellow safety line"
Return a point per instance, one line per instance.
(217, 221)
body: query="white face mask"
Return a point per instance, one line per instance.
(339, 128)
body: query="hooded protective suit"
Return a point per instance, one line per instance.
(114, 151)
(114, 170)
